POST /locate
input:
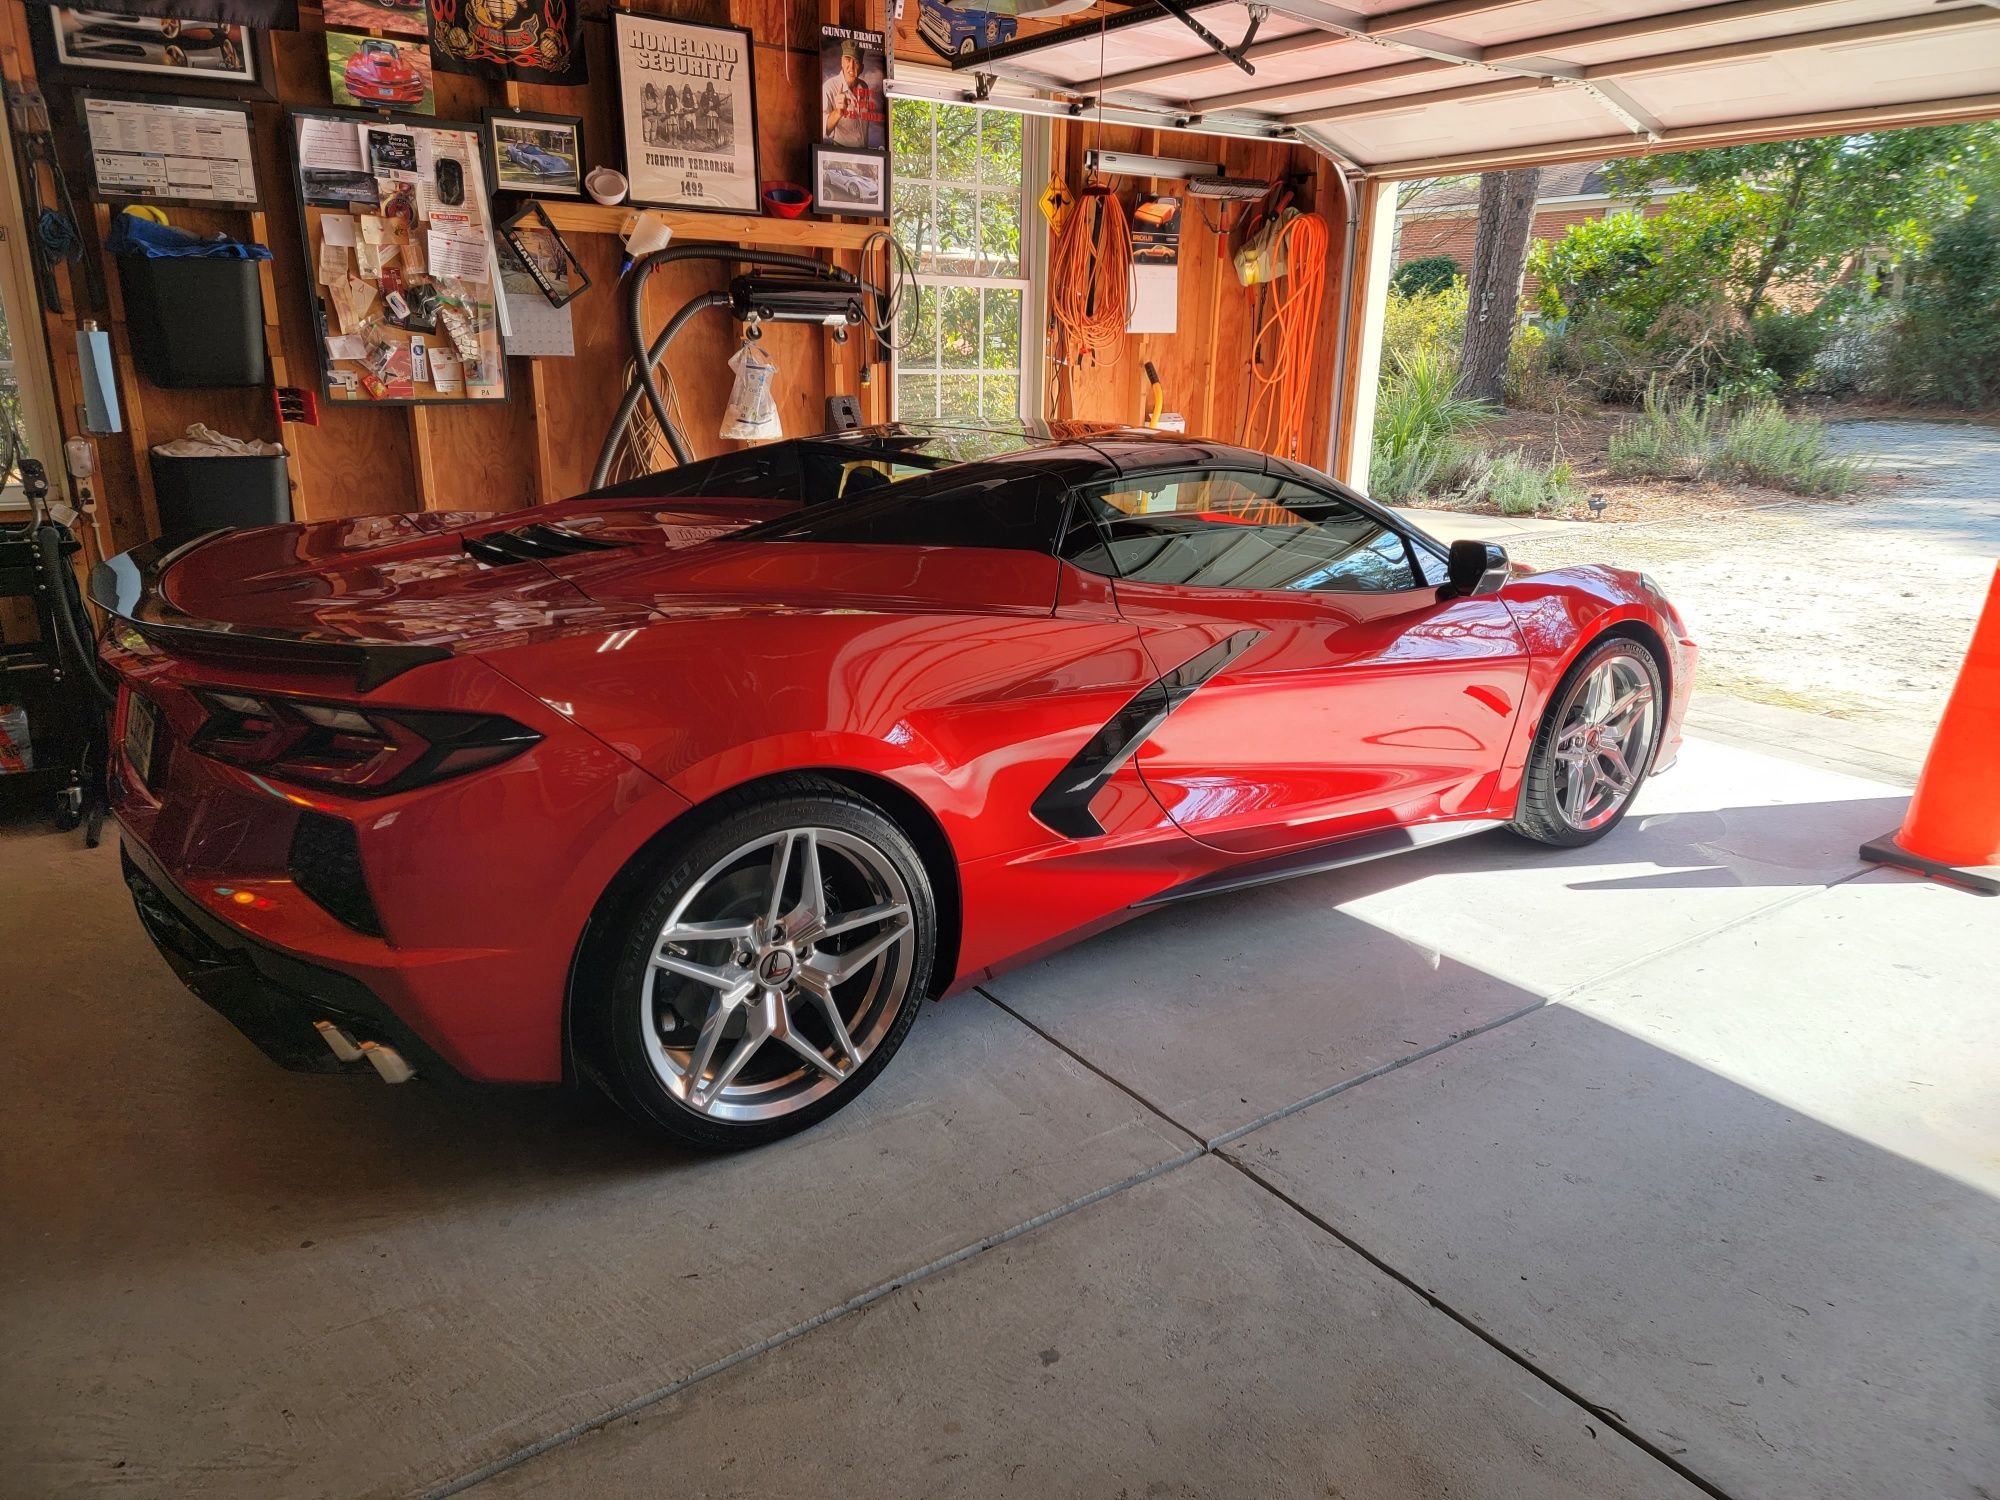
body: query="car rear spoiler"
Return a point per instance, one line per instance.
(128, 586)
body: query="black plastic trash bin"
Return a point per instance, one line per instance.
(194, 320)
(200, 494)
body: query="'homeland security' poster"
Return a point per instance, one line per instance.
(688, 103)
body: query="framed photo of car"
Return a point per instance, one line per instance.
(687, 109)
(216, 59)
(537, 154)
(850, 182)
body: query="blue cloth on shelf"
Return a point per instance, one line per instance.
(132, 235)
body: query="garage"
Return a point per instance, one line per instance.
(968, 916)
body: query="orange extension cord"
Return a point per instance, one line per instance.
(1090, 274)
(1278, 411)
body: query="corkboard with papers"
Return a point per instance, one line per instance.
(400, 252)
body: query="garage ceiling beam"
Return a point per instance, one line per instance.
(1797, 41)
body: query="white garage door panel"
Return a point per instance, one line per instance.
(1748, 29)
(1429, 130)
(1545, 17)
(1934, 67)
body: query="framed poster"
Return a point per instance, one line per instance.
(216, 58)
(400, 251)
(850, 182)
(687, 103)
(852, 109)
(163, 150)
(531, 153)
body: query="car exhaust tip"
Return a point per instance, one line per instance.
(338, 1042)
(388, 1063)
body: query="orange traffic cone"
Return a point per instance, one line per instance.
(1952, 829)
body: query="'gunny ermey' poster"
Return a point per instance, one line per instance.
(688, 104)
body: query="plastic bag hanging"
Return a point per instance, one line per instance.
(752, 411)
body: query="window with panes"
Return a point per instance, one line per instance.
(960, 195)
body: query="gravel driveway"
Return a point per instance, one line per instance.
(1858, 609)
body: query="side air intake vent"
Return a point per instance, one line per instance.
(530, 543)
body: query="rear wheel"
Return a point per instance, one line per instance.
(770, 973)
(1595, 746)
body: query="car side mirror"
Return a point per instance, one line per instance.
(1475, 568)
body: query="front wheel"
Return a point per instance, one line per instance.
(770, 973)
(1595, 746)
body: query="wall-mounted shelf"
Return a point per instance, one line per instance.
(755, 230)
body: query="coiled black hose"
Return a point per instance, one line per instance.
(71, 637)
(645, 356)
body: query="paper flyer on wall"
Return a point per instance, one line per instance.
(1156, 257)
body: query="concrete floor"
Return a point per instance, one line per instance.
(1662, 1168)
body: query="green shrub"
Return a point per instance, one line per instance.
(1600, 261)
(1417, 322)
(1427, 273)
(1765, 444)
(1417, 448)
(1672, 438)
(1855, 359)
(1518, 486)
(1787, 343)
(1680, 436)
(1946, 346)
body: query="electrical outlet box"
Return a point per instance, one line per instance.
(843, 413)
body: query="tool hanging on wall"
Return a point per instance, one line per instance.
(1156, 395)
(46, 198)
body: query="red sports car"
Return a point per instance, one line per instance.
(379, 74)
(697, 786)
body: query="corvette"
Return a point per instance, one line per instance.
(379, 74)
(698, 786)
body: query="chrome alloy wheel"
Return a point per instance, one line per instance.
(777, 973)
(1608, 727)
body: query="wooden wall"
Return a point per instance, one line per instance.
(541, 444)
(1206, 364)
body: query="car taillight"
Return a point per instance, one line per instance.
(363, 751)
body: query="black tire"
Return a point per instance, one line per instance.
(1539, 815)
(610, 1024)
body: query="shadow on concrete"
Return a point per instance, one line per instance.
(1784, 1306)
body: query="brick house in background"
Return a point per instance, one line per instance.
(1440, 219)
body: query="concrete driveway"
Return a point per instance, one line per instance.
(1662, 1168)
(1839, 625)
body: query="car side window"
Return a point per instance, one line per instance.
(1234, 529)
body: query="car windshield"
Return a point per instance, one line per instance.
(839, 466)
